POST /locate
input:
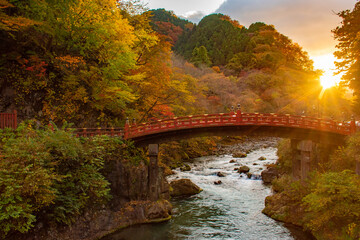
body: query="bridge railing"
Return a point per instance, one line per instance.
(8, 120)
(238, 118)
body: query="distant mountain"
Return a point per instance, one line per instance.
(225, 42)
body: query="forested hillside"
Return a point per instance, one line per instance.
(95, 63)
(87, 62)
(257, 67)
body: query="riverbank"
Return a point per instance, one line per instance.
(57, 186)
(327, 203)
(230, 210)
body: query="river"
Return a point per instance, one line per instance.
(231, 210)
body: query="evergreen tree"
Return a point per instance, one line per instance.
(200, 57)
(348, 35)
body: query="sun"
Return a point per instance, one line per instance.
(328, 80)
(326, 63)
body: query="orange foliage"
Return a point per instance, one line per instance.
(69, 62)
(163, 111)
(216, 69)
(11, 23)
(235, 23)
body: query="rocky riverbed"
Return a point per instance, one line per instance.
(230, 205)
(247, 145)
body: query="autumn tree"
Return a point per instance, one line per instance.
(348, 53)
(73, 59)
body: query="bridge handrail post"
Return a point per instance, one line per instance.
(15, 119)
(126, 129)
(205, 119)
(287, 116)
(352, 125)
(112, 131)
(238, 115)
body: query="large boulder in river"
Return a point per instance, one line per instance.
(269, 174)
(239, 155)
(183, 187)
(218, 182)
(221, 174)
(244, 169)
(185, 168)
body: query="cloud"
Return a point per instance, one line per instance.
(194, 16)
(307, 22)
(184, 6)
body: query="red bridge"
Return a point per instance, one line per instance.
(231, 124)
(297, 128)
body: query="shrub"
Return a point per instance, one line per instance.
(345, 157)
(47, 174)
(333, 205)
(284, 155)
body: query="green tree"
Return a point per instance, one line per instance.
(333, 206)
(200, 57)
(242, 61)
(47, 174)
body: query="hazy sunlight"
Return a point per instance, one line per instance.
(326, 63)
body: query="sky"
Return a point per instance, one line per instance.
(306, 22)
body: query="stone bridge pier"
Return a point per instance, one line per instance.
(153, 171)
(303, 154)
(304, 158)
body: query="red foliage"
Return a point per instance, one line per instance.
(163, 111)
(34, 64)
(170, 30)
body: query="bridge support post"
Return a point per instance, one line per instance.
(302, 155)
(153, 171)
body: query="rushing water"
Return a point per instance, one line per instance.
(231, 210)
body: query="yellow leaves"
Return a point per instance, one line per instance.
(13, 23)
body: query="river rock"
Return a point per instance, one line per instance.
(262, 158)
(220, 174)
(185, 168)
(249, 174)
(218, 182)
(235, 169)
(255, 164)
(269, 174)
(243, 169)
(183, 187)
(232, 161)
(239, 155)
(168, 171)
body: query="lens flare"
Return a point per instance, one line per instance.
(326, 64)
